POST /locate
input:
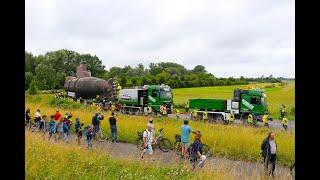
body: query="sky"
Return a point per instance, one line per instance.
(235, 38)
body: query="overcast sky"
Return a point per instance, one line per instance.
(229, 37)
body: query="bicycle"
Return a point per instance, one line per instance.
(98, 136)
(178, 147)
(164, 144)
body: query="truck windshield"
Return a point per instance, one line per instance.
(165, 94)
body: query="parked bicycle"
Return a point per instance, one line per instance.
(164, 144)
(99, 136)
(178, 147)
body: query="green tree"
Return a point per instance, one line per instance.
(33, 89)
(199, 69)
(28, 79)
(45, 77)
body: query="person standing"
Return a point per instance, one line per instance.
(282, 111)
(28, 117)
(187, 107)
(113, 127)
(150, 123)
(57, 116)
(269, 153)
(285, 123)
(52, 127)
(37, 117)
(205, 115)
(148, 140)
(185, 137)
(265, 119)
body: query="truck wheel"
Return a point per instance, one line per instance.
(219, 118)
(243, 118)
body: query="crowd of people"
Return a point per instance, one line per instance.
(59, 127)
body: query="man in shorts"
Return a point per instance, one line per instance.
(148, 140)
(185, 137)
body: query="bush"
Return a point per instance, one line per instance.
(65, 103)
(33, 89)
(270, 86)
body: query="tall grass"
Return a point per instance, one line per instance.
(232, 141)
(51, 160)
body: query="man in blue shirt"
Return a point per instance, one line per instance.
(185, 137)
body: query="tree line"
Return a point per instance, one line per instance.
(49, 71)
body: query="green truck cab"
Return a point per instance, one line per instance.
(137, 99)
(244, 102)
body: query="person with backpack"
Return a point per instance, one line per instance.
(196, 153)
(148, 139)
(89, 135)
(269, 153)
(113, 127)
(52, 127)
(78, 126)
(66, 130)
(59, 129)
(96, 123)
(42, 124)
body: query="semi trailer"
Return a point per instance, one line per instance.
(243, 103)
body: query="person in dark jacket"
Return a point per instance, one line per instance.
(269, 153)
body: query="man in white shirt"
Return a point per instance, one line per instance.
(37, 117)
(148, 140)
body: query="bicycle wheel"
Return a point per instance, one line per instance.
(139, 143)
(206, 150)
(293, 170)
(164, 145)
(177, 147)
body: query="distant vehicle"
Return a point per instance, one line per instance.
(138, 99)
(244, 102)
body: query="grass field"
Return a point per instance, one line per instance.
(58, 160)
(276, 96)
(232, 141)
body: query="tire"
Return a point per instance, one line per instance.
(165, 145)
(243, 118)
(206, 150)
(219, 119)
(177, 147)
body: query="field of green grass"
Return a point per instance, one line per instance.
(232, 141)
(276, 96)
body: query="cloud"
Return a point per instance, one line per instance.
(231, 38)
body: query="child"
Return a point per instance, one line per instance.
(59, 128)
(78, 126)
(42, 126)
(89, 135)
(65, 128)
(52, 126)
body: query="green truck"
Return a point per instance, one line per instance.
(138, 99)
(244, 102)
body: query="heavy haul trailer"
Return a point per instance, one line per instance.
(244, 102)
(138, 99)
